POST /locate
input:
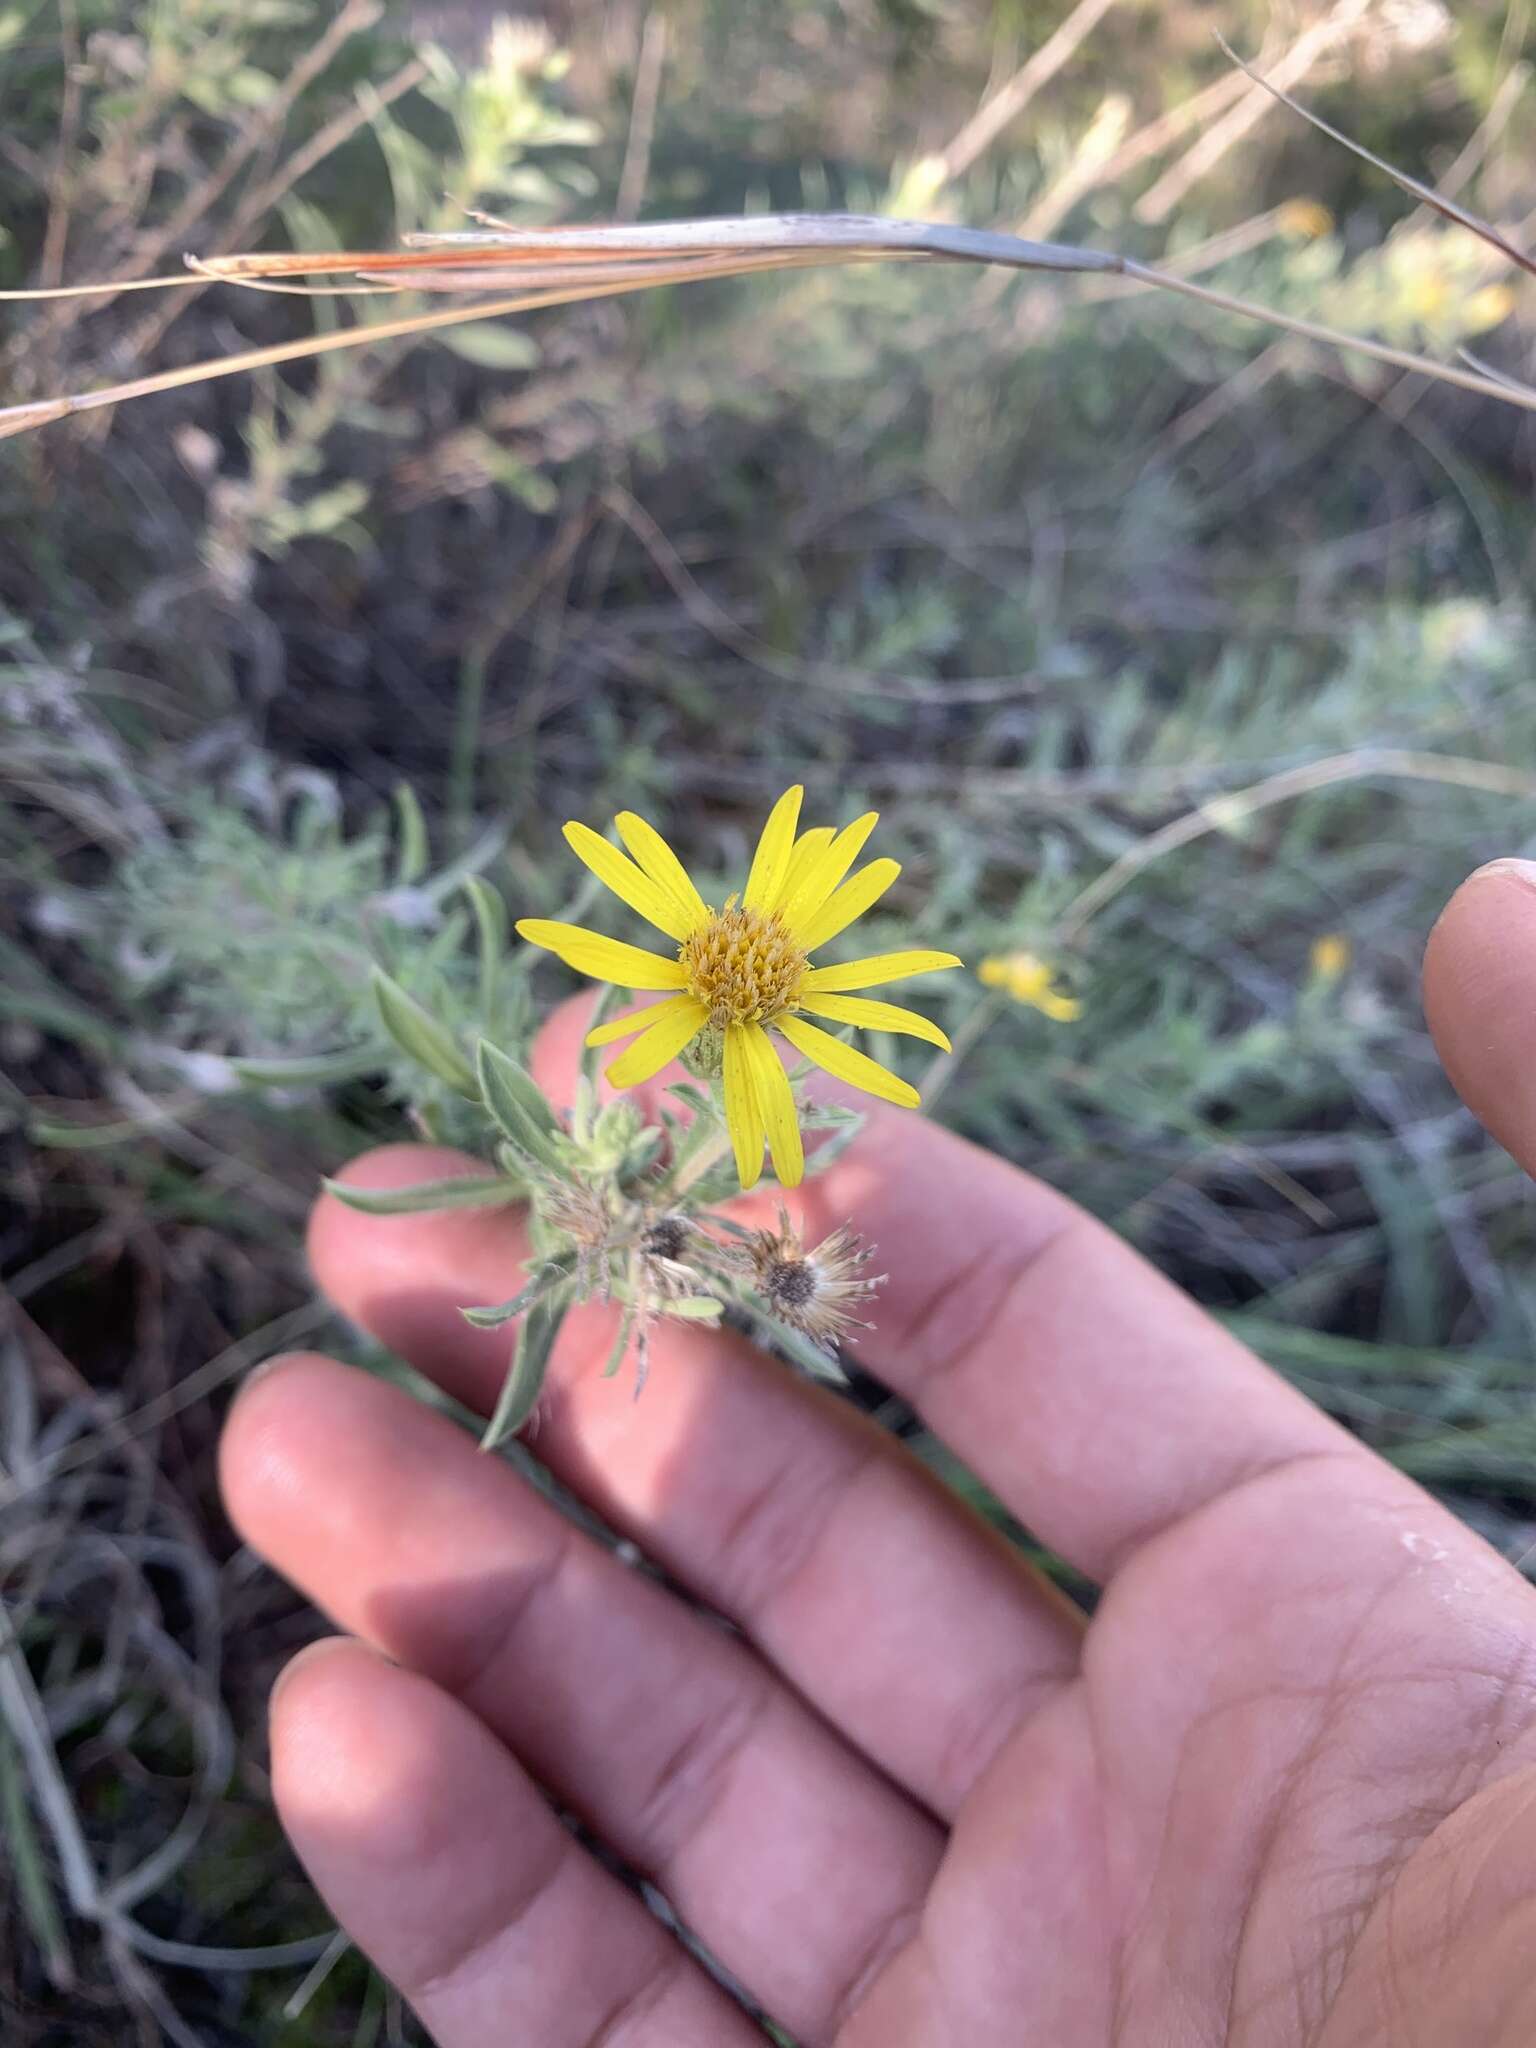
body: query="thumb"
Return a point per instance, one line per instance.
(1480, 999)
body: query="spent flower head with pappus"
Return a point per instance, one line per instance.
(622, 1194)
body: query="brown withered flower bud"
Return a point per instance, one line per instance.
(667, 1237)
(815, 1291)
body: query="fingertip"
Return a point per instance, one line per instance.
(405, 1278)
(321, 1675)
(353, 1739)
(1479, 993)
(256, 1466)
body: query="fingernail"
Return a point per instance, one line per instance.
(1516, 870)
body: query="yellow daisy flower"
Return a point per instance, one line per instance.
(745, 968)
(1029, 979)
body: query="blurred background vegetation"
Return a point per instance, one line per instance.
(1194, 664)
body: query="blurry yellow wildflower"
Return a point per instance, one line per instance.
(919, 185)
(1331, 955)
(1304, 220)
(1428, 293)
(738, 970)
(1028, 979)
(1490, 307)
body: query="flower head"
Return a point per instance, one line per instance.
(1028, 979)
(815, 1291)
(1303, 220)
(1331, 955)
(744, 970)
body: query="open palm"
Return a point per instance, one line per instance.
(1279, 1792)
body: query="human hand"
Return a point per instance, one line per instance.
(1281, 1793)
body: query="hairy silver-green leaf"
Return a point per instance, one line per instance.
(522, 1386)
(420, 1035)
(548, 1276)
(491, 925)
(620, 1343)
(317, 1070)
(819, 1157)
(464, 1191)
(691, 1097)
(639, 1159)
(695, 1308)
(517, 1102)
(413, 852)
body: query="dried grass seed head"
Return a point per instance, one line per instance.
(816, 1291)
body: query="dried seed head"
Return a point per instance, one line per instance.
(788, 1283)
(815, 1291)
(666, 1237)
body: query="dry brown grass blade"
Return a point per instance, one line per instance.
(602, 261)
(87, 291)
(21, 419)
(1449, 209)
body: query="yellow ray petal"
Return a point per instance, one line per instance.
(604, 959)
(850, 901)
(676, 1023)
(743, 1117)
(817, 885)
(661, 864)
(871, 1016)
(806, 849)
(845, 1063)
(773, 850)
(874, 969)
(776, 1100)
(631, 884)
(633, 1021)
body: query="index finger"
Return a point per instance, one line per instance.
(1480, 995)
(1092, 1396)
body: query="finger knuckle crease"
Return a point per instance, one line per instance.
(960, 1317)
(780, 1525)
(629, 2019)
(466, 1953)
(692, 1777)
(505, 1620)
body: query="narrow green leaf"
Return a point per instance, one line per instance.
(413, 852)
(639, 1159)
(33, 1888)
(66, 1137)
(422, 1037)
(491, 924)
(465, 1191)
(517, 1102)
(620, 1344)
(490, 346)
(316, 1071)
(696, 1308)
(819, 1157)
(547, 1277)
(520, 1390)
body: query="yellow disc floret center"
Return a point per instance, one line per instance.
(744, 966)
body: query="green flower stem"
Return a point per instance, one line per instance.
(709, 1154)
